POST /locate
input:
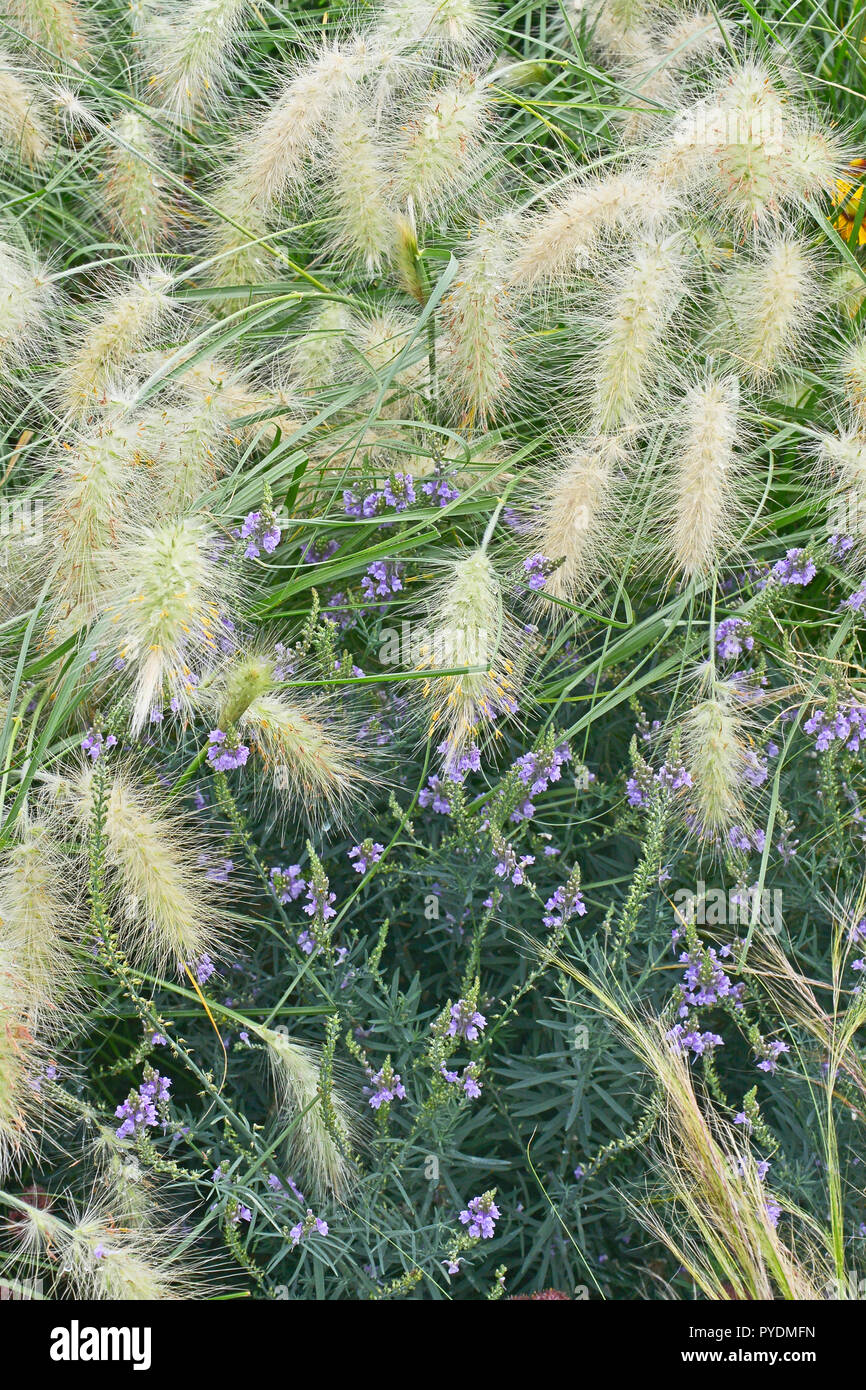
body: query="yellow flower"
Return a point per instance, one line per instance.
(847, 199)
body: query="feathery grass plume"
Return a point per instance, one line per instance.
(192, 52)
(718, 1221)
(467, 627)
(166, 912)
(229, 396)
(632, 334)
(95, 478)
(25, 299)
(702, 496)
(318, 351)
(24, 130)
(187, 454)
(379, 339)
(320, 1149)
(716, 756)
(853, 366)
(308, 752)
(166, 605)
(444, 26)
(100, 1254)
(651, 64)
(439, 153)
(772, 305)
(276, 158)
(55, 25)
(137, 200)
(37, 924)
(576, 513)
(842, 473)
(237, 255)
(479, 361)
(564, 237)
(750, 148)
(22, 1062)
(355, 187)
(125, 326)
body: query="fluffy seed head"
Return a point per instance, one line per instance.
(364, 223)
(715, 755)
(23, 127)
(563, 238)
(137, 200)
(105, 1253)
(22, 1062)
(631, 335)
(307, 751)
(702, 497)
(56, 25)
(772, 307)
(468, 627)
(576, 513)
(37, 925)
(317, 352)
(124, 327)
(166, 912)
(319, 1149)
(95, 477)
(854, 372)
(438, 154)
(276, 158)
(191, 55)
(167, 603)
(445, 26)
(479, 357)
(25, 298)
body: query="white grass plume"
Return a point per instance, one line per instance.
(24, 130)
(842, 477)
(750, 149)
(772, 306)
(448, 27)
(702, 498)
(439, 153)
(355, 189)
(166, 605)
(715, 753)
(25, 300)
(479, 362)
(38, 926)
(307, 751)
(564, 237)
(236, 245)
(320, 1155)
(632, 334)
(275, 159)
(853, 367)
(99, 1253)
(318, 351)
(164, 909)
(577, 513)
(56, 25)
(125, 325)
(467, 626)
(137, 199)
(22, 1063)
(190, 53)
(231, 396)
(89, 500)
